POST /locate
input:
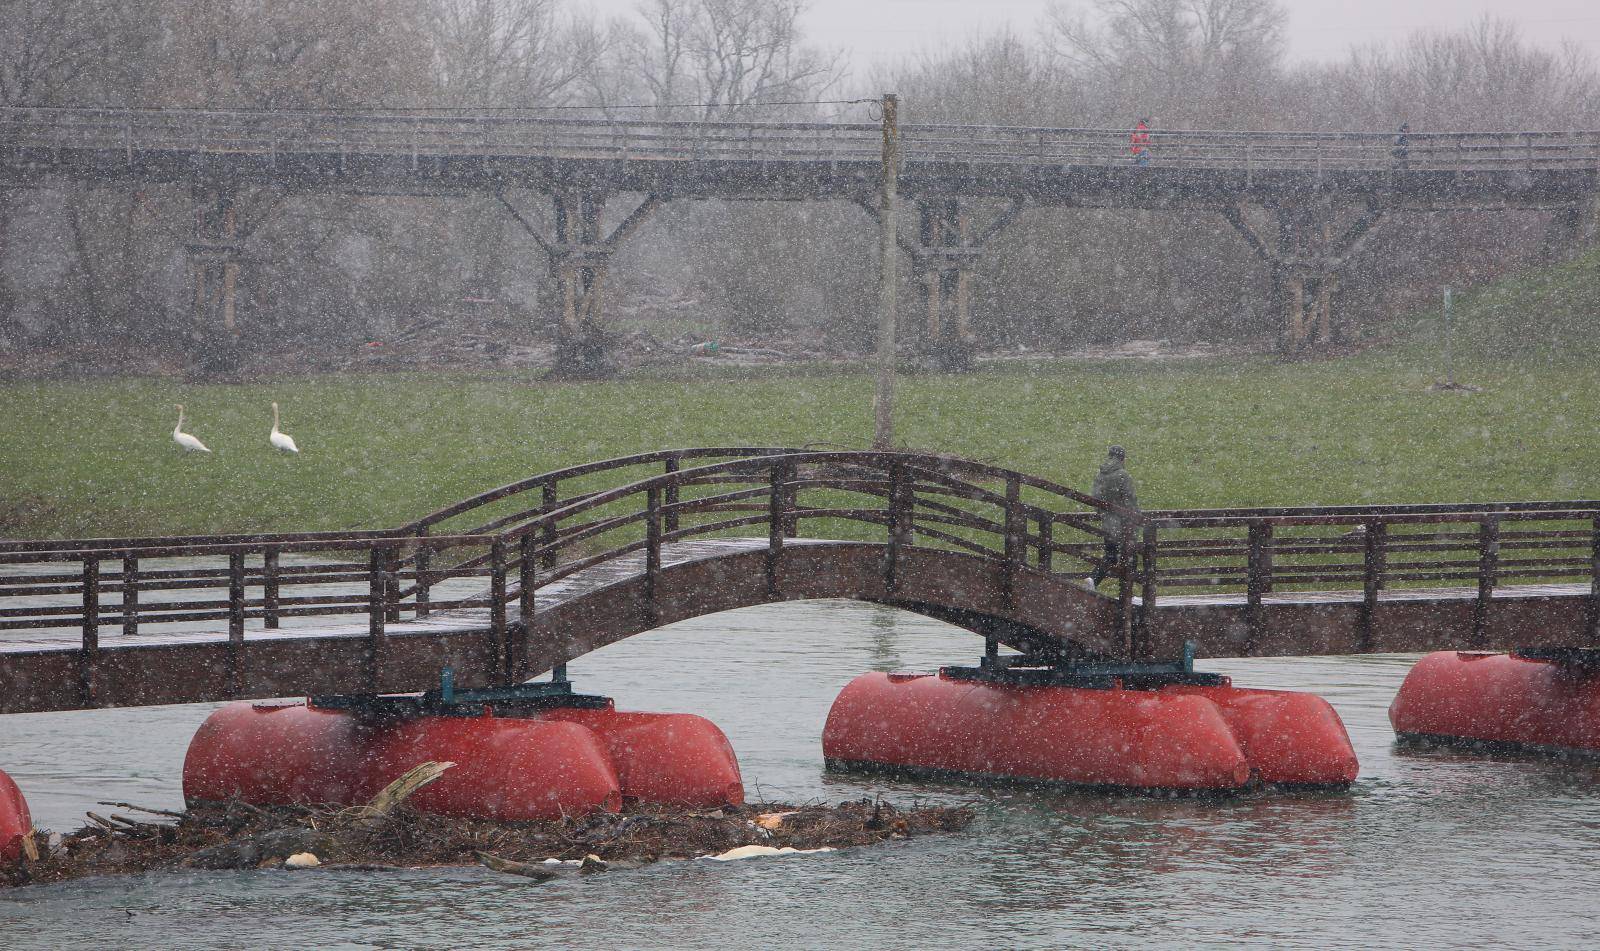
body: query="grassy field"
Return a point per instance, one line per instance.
(97, 458)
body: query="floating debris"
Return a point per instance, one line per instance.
(236, 835)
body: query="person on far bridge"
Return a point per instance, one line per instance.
(1113, 484)
(1402, 146)
(1139, 142)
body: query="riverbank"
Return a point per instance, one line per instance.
(97, 458)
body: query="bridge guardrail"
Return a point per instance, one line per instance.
(41, 132)
(518, 549)
(1371, 549)
(503, 547)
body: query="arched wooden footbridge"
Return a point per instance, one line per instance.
(519, 580)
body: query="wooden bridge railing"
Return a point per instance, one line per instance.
(45, 134)
(523, 538)
(493, 555)
(1369, 549)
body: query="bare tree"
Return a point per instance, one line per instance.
(1484, 77)
(508, 52)
(722, 57)
(1211, 61)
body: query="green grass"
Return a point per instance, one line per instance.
(96, 458)
(376, 451)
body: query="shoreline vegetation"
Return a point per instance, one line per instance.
(387, 834)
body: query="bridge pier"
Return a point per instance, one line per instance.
(1573, 228)
(1307, 256)
(941, 263)
(213, 259)
(947, 249)
(580, 256)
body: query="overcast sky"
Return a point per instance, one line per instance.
(875, 31)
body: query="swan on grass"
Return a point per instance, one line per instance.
(279, 439)
(184, 439)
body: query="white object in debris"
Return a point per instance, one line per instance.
(761, 851)
(302, 860)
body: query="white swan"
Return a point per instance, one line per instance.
(184, 439)
(281, 440)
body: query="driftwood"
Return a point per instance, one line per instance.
(397, 792)
(388, 833)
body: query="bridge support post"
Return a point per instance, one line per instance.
(1572, 229)
(947, 250)
(580, 256)
(1310, 250)
(942, 263)
(213, 256)
(581, 262)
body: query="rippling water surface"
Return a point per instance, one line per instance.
(1427, 849)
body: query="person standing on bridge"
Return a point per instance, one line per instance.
(1402, 146)
(1113, 484)
(1139, 142)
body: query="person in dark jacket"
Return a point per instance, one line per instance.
(1402, 146)
(1113, 484)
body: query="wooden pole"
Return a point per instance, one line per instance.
(883, 400)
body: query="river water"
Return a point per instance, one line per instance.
(1427, 849)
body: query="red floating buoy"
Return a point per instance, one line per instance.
(1185, 739)
(556, 762)
(15, 820)
(274, 754)
(668, 758)
(507, 768)
(1500, 699)
(1288, 738)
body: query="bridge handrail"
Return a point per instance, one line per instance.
(769, 459)
(573, 472)
(449, 115)
(244, 545)
(439, 133)
(1357, 514)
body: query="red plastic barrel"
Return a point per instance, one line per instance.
(1288, 738)
(15, 821)
(1499, 698)
(506, 768)
(276, 753)
(668, 758)
(1131, 739)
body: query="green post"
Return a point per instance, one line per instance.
(1449, 357)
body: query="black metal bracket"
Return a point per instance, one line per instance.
(1024, 670)
(1584, 659)
(447, 701)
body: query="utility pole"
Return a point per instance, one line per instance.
(883, 399)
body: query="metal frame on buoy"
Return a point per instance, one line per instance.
(1047, 670)
(447, 701)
